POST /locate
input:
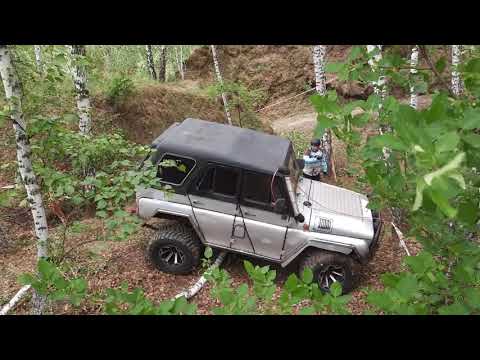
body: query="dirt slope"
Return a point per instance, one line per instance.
(150, 110)
(279, 70)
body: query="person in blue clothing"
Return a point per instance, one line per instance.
(315, 161)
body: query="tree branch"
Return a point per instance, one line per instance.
(424, 52)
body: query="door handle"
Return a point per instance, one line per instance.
(249, 214)
(197, 202)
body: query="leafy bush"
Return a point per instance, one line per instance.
(242, 102)
(430, 174)
(119, 88)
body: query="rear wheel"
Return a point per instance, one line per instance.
(175, 249)
(328, 268)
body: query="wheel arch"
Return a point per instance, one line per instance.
(185, 219)
(310, 246)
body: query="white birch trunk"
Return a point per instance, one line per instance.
(319, 53)
(379, 87)
(457, 84)
(220, 81)
(182, 72)
(150, 64)
(80, 81)
(319, 60)
(195, 288)
(11, 304)
(413, 72)
(38, 57)
(177, 59)
(162, 70)
(13, 95)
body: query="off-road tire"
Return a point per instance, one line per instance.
(183, 240)
(320, 260)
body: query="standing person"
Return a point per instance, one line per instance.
(315, 161)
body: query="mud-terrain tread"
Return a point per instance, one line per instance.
(182, 235)
(315, 258)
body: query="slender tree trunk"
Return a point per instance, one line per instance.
(177, 59)
(38, 57)
(79, 76)
(182, 72)
(319, 60)
(13, 95)
(413, 72)
(379, 87)
(150, 63)
(457, 83)
(220, 81)
(162, 70)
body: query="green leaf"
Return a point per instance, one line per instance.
(307, 276)
(471, 119)
(438, 197)
(472, 297)
(421, 185)
(102, 204)
(388, 140)
(26, 279)
(473, 66)
(309, 310)
(248, 267)
(453, 164)
(226, 296)
(334, 67)
(468, 212)
(447, 142)
(291, 283)
(453, 309)
(407, 286)
(69, 189)
(208, 252)
(422, 262)
(336, 289)
(472, 139)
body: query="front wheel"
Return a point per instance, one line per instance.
(328, 268)
(176, 249)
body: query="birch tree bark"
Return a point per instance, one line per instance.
(38, 57)
(379, 85)
(413, 72)
(150, 64)
(220, 81)
(457, 83)
(79, 76)
(319, 60)
(182, 68)
(162, 70)
(13, 95)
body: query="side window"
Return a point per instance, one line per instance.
(219, 180)
(174, 169)
(257, 190)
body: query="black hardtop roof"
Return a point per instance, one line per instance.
(230, 145)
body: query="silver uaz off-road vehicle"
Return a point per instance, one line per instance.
(241, 190)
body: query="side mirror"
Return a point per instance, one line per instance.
(300, 218)
(279, 205)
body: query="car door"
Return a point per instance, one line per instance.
(266, 229)
(214, 198)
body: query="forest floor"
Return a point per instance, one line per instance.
(108, 264)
